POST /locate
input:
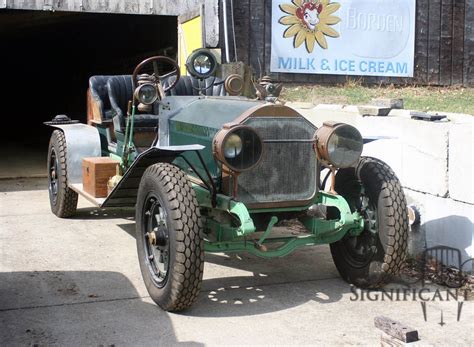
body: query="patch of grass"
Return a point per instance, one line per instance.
(421, 98)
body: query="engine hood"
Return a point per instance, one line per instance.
(203, 117)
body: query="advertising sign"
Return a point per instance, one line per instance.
(344, 37)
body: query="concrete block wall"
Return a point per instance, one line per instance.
(461, 154)
(434, 162)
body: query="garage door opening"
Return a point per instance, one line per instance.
(47, 60)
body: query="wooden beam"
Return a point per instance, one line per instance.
(434, 36)
(421, 41)
(396, 329)
(458, 42)
(469, 44)
(446, 43)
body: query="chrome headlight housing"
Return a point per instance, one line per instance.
(240, 147)
(146, 93)
(338, 144)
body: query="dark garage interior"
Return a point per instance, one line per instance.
(47, 59)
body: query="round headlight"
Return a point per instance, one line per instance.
(339, 144)
(232, 146)
(201, 63)
(146, 94)
(239, 148)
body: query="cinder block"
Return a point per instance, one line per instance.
(443, 222)
(390, 103)
(417, 152)
(389, 151)
(319, 115)
(377, 111)
(423, 172)
(461, 173)
(425, 156)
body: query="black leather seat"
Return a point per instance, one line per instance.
(98, 90)
(120, 90)
(188, 85)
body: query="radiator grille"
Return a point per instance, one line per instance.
(287, 172)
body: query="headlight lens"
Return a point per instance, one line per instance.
(233, 146)
(339, 144)
(201, 63)
(146, 94)
(239, 148)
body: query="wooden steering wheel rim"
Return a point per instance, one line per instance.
(170, 61)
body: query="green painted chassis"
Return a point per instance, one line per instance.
(235, 239)
(229, 238)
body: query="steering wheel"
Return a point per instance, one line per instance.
(144, 67)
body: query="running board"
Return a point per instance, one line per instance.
(125, 192)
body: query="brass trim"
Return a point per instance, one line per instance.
(321, 140)
(265, 110)
(229, 83)
(274, 111)
(219, 141)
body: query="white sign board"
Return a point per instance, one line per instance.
(344, 37)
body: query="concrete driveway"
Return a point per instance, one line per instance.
(77, 282)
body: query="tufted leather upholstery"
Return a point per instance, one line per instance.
(120, 90)
(98, 90)
(188, 85)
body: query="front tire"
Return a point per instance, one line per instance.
(62, 199)
(371, 259)
(169, 237)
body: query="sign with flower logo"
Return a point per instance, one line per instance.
(344, 37)
(310, 22)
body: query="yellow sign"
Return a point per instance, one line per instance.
(190, 38)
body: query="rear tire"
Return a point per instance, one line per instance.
(169, 237)
(63, 200)
(371, 259)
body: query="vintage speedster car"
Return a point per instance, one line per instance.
(208, 170)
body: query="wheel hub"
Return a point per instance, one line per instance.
(156, 241)
(157, 237)
(53, 177)
(361, 248)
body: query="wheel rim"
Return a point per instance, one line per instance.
(360, 249)
(53, 176)
(156, 244)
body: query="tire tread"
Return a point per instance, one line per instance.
(188, 264)
(66, 204)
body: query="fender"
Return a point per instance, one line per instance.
(82, 141)
(125, 193)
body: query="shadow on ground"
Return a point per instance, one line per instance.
(23, 184)
(95, 213)
(270, 288)
(78, 308)
(271, 284)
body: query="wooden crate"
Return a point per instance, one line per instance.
(96, 172)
